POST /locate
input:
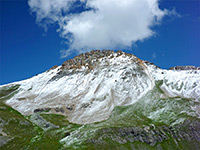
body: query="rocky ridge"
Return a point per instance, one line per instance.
(90, 59)
(151, 135)
(184, 68)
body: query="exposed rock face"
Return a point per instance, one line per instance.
(89, 59)
(189, 131)
(54, 67)
(184, 68)
(37, 119)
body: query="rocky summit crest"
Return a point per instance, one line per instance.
(89, 59)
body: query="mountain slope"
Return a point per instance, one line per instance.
(116, 99)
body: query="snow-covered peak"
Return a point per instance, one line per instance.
(87, 88)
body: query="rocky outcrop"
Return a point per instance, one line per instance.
(88, 59)
(54, 67)
(153, 135)
(184, 68)
(56, 110)
(41, 122)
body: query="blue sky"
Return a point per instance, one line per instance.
(26, 49)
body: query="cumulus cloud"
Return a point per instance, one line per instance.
(99, 24)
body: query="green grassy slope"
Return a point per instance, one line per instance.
(151, 123)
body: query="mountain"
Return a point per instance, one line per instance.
(103, 100)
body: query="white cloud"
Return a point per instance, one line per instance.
(100, 24)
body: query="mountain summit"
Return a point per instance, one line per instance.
(105, 90)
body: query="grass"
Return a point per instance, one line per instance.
(136, 115)
(26, 135)
(22, 133)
